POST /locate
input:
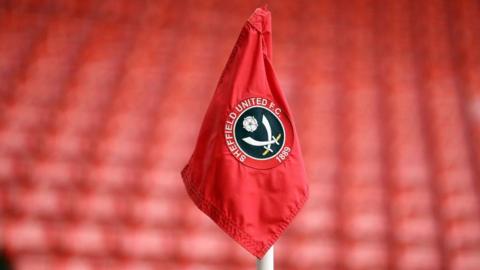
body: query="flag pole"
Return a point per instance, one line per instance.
(266, 263)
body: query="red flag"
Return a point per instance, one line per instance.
(246, 172)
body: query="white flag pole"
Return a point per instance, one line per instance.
(266, 263)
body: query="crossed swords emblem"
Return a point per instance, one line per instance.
(270, 140)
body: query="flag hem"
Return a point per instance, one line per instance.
(257, 248)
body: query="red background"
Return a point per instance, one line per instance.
(101, 102)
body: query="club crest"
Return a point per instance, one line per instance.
(258, 133)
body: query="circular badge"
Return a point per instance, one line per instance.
(258, 133)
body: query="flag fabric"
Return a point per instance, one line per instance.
(246, 172)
